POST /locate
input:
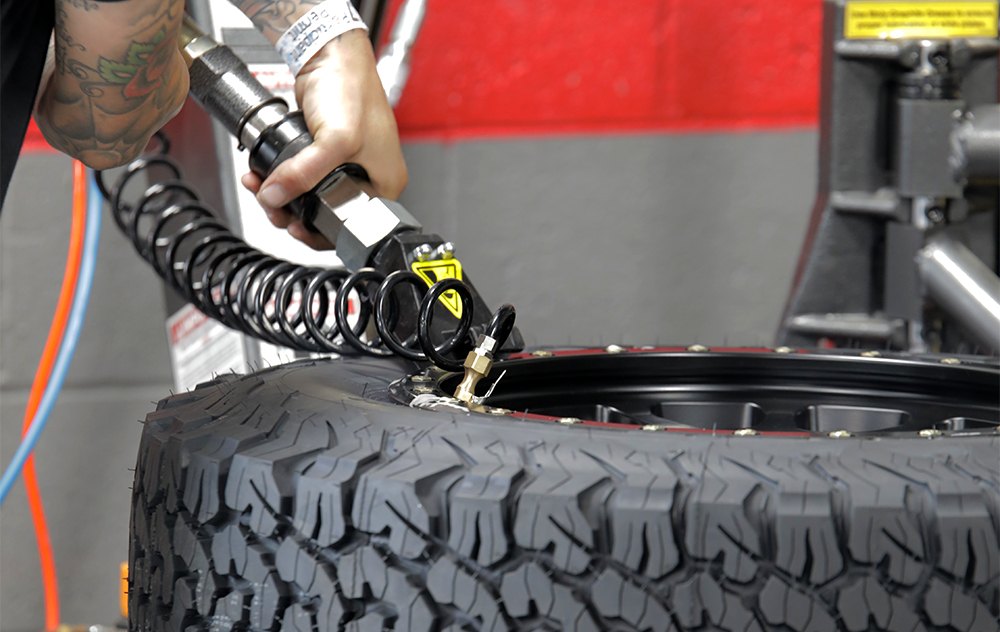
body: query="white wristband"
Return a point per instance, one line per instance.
(315, 29)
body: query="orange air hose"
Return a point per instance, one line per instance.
(50, 583)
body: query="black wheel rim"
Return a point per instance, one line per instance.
(744, 392)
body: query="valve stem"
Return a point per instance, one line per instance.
(477, 365)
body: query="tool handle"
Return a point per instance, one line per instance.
(284, 139)
(262, 122)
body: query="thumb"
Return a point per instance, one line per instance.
(303, 171)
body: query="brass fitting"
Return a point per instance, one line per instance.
(477, 365)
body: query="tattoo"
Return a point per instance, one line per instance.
(141, 71)
(86, 5)
(103, 105)
(273, 17)
(64, 41)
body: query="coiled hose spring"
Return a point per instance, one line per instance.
(295, 306)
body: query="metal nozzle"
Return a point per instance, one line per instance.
(193, 41)
(225, 87)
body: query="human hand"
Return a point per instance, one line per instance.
(350, 120)
(117, 77)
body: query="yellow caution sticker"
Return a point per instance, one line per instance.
(433, 271)
(910, 20)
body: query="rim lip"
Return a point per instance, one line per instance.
(982, 371)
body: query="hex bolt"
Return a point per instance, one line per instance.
(951, 361)
(930, 433)
(745, 432)
(422, 390)
(871, 354)
(784, 350)
(569, 421)
(446, 250)
(421, 379)
(423, 252)
(697, 348)
(614, 349)
(935, 215)
(840, 434)
(498, 411)
(541, 353)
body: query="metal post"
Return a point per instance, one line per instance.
(394, 62)
(963, 286)
(976, 152)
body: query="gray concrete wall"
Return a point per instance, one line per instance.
(669, 239)
(121, 366)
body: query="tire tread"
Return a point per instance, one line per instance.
(257, 506)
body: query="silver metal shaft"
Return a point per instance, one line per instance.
(394, 62)
(976, 146)
(963, 286)
(225, 87)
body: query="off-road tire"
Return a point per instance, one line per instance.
(301, 498)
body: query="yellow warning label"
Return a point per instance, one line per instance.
(433, 271)
(908, 20)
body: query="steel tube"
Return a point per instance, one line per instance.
(963, 286)
(976, 146)
(220, 81)
(394, 62)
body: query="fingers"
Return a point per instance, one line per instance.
(300, 173)
(251, 181)
(351, 122)
(281, 218)
(314, 240)
(360, 128)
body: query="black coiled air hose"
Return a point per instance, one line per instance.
(295, 306)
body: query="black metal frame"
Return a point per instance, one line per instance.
(891, 111)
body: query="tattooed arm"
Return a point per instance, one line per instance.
(346, 111)
(118, 78)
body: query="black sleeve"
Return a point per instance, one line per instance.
(26, 28)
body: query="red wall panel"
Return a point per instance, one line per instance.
(486, 68)
(34, 141)
(512, 67)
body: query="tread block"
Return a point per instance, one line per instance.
(479, 501)
(409, 498)
(640, 512)
(449, 584)
(782, 604)
(562, 507)
(325, 490)
(616, 598)
(948, 606)
(719, 523)
(361, 569)
(865, 603)
(701, 600)
(297, 619)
